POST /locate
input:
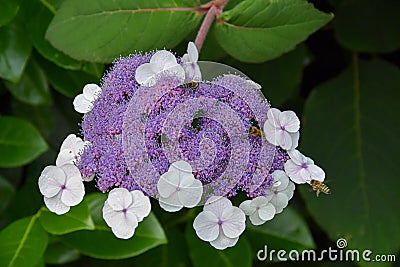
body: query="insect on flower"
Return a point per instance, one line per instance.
(190, 84)
(320, 187)
(254, 131)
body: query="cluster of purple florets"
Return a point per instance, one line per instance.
(213, 134)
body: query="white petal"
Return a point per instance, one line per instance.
(206, 226)
(284, 139)
(170, 204)
(74, 191)
(289, 190)
(223, 242)
(65, 156)
(190, 196)
(290, 121)
(110, 216)
(192, 52)
(54, 204)
(167, 184)
(145, 74)
(308, 160)
(119, 199)
(91, 91)
(270, 133)
(233, 222)
(297, 157)
(267, 212)
(305, 175)
(163, 59)
(192, 71)
(88, 179)
(50, 181)
(273, 117)
(176, 70)
(253, 84)
(280, 201)
(125, 228)
(255, 219)
(316, 172)
(140, 206)
(259, 201)
(293, 171)
(295, 139)
(69, 142)
(281, 177)
(181, 166)
(217, 205)
(70, 171)
(81, 104)
(247, 208)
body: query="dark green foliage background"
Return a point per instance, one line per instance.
(334, 62)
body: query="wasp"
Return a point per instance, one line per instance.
(190, 84)
(319, 187)
(254, 131)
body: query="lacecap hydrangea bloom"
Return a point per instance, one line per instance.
(169, 127)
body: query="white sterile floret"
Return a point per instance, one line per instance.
(189, 63)
(161, 63)
(70, 150)
(178, 188)
(282, 128)
(301, 169)
(83, 103)
(123, 210)
(220, 223)
(281, 191)
(62, 187)
(258, 209)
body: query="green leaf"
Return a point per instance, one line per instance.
(260, 30)
(102, 243)
(78, 218)
(95, 203)
(8, 10)
(287, 231)
(40, 17)
(22, 243)
(58, 253)
(203, 254)
(15, 48)
(32, 88)
(351, 131)
(6, 192)
(373, 29)
(20, 142)
(104, 30)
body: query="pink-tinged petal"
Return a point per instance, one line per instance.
(206, 226)
(316, 173)
(255, 219)
(74, 191)
(223, 242)
(190, 196)
(140, 206)
(217, 205)
(145, 74)
(65, 156)
(125, 228)
(50, 181)
(281, 177)
(233, 222)
(81, 104)
(273, 117)
(164, 59)
(54, 204)
(267, 212)
(295, 140)
(91, 91)
(297, 157)
(259, 201)
(247, 208)
(170, 204)
(119, 199)
(192, 52)
(284, 139)
(290, 121)
(168, 184)
(280, 201)
(270, 133)
(293, 171)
